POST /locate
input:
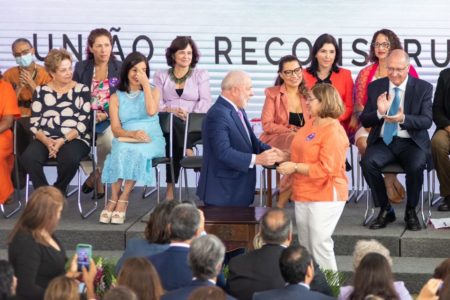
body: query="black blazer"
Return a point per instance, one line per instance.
(259, 270)
(417, 110)
(441, 103)
(84, 71)
(292, 291)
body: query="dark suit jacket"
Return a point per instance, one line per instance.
(84, 71)
(259, 270)
(292, 291)
(172, 266)
(226, 179)
(183, 293)
(441, 103)
(417, 110)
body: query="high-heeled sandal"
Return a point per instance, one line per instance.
(106, 215)
(118, 217)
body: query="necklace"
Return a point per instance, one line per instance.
(301, 119)
(134, 94)
(182, 79)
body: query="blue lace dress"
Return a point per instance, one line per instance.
(133, 161)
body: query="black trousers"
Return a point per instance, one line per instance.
(68, 159)
(23, 139)
(403, 151)
(178, 140)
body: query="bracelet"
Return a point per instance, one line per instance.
(295, 168)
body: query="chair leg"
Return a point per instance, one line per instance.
(85, 215)
(27, 184)
(261, 176)
(158, 184)
(186, 184)
(368, 216)
(180, 183)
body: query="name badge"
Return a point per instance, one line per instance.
(311, 137)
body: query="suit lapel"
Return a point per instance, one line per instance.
(409, 93)
(234, 115)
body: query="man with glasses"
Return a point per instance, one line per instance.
(399, 111)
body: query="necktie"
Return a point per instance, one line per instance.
(241, 116)
(390, 129)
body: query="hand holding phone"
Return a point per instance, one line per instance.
(84, 255)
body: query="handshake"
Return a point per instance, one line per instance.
(271, 156)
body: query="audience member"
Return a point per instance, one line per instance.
(364, 247)
(8, 282)
(259, 270)
(319, 182)
(62, 288)
(383, 42)
(8, 111)
(138, 136)
(60, 123)
(120, 293)
(208, 293)
(100, 72)
(443, 270)
(33, 250)
(430, 291)
(156, 237)
(139, 275)
(324, 69)
(230, 148)
(206, 257)
(284, 112)
(297, 269)
(398, 109)
(440, 143)
(184, 89)
(186, 222)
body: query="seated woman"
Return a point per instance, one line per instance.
(184, 89)
(35, 253)
(383, 42)
(100, 72)
(156, 237)
(319, 182)
(137, 136)
(60, 122)
(364, 247)
(284, 112)
(324, 69)
(8, 111)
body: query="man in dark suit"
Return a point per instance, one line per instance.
(440, 143)
(399, 112)
(297, 268)
(230, 148)
(186, 223)
(205, 259)
(259, 270)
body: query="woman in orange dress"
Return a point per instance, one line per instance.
(8, 111)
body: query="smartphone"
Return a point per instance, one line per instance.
(84, 253)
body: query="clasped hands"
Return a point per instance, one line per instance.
(141, 135)
(271, 156)
(384, 103)
(26, 79)
(53, 146)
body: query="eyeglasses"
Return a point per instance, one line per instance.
(23, 52)
(311, 99)
(396, 70)
(290, 73)
(385, 45)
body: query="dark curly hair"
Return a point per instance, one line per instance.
(302, 89)
(393, 39)
(318, 44)
(180, 43)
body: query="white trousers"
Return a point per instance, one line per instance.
(104, 142)
(316, 222)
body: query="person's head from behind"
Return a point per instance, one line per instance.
(296, 265)
(373, 276)
(208, 293)
(99, 44)
(58, 64)
(443, 270)
(134, 63)
(120, 293)
(237, 87)
(184, 223)
(363, 247)
(62, 288)
(324, 101)
(276, 227)
(8, 282)
(182, 53)
(23, 52)
(398, 66)
(206, 256)
(157, 230)
(139, 275)
(383, 42)
(42, 213)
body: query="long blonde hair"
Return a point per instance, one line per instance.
(62, 288)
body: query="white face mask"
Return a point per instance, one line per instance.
(24, 60)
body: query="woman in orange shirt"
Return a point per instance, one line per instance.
(324, 69)
(319, 182)
(8, 111)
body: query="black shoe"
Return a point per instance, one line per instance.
(411, 220)
(445, 205)
(99, 196)
(384, 217)
(86, 188)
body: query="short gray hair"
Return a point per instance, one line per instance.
(233, 79)
(184, 222)
(364, 247)
(205, 254)
(276, 225)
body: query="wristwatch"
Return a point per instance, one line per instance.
(65, 139)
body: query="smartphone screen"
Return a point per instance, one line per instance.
(84, 253)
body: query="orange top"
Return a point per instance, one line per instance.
(343, 82)
(324, 149)
(24, 92)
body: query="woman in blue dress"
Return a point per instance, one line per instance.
(137, 136)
